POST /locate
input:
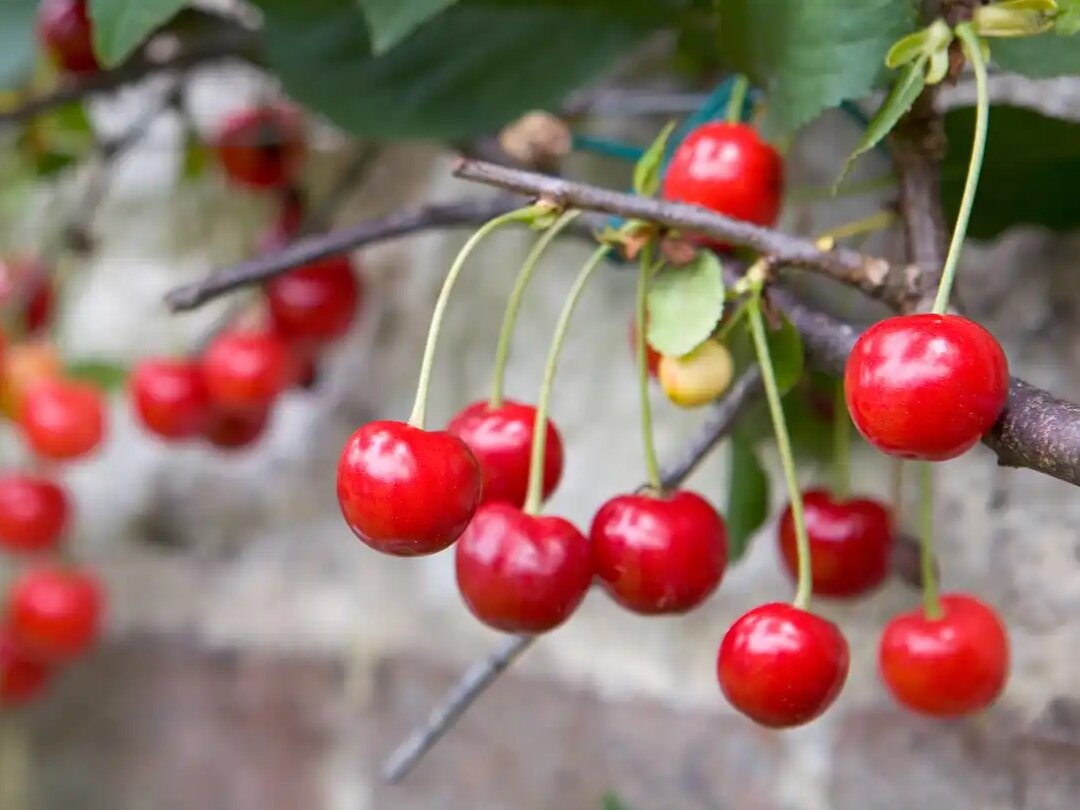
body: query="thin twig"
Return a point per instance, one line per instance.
(484, 673)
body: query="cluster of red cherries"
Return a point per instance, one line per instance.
(920, 387)
(52, 609)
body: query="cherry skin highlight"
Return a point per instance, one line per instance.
(54, 614)
(501, 440)
(170, 398)
(315, 302)
(63, 419)
(246, 370)
(659, 555)
(947, 667)
(34, 513)
(262, 147)
(22, 678)
(519, 573)
(782, 666)
(850, 543)
(406, 491)
(65, 31)
(926, 386)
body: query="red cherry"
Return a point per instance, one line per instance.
(315, 302)
(246, 370)
(850, 543)
(170, 397)
(286, 225)
(520, 573)
(25, 285)
(63, 419)
(262, 147)
(782, 666)
(234, 430)
(54, 613)
(946, 667)
(66, 32)
(727, 168)
(501, 439)
(33, 513)
(407, 491)
(659, 555)
(652, 357)
(22, 678)
(926, 386)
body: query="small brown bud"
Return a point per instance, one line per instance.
(537, 139)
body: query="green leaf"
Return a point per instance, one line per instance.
(120, 26)
(483, 65)
(390, 21)
(104, 374)
(647, 171)
(748, 495)
(685, 304)
(1014, 18)
(810, 55)
(611, 801)
(903, 94)
(1041, 57)
(786, 351)
(196, 157)
(1030, 173)
(17, 41)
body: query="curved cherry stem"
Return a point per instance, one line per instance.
(652, 464)
(973, 50)
(513, 305)
(783, 444)
(535, 494)
(419, 411)
(931, 602)
(841, 443)
(737, 100)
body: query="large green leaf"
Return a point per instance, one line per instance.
(120, 26)
(1040, 57)
(481, 66)
(810, 55)
(1030, 174)
(685, 304)
(390, 21)
(17, 41)
(748, 495)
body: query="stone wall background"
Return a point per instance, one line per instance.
(258, 656)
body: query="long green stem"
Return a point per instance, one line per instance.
(535, 494)
(783, 443)
(841, 444)
(419, 411)
(513, 306)
(652, 464)
(973, 51)
(931, 602)
(737, 100)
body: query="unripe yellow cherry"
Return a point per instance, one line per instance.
(699, 377)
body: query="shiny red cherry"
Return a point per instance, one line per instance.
(315, 302)
(54, 613)
(652, 357)
(246, 370)
(34, 513)
(26, 290)
(782, 666)
(926, 386)
(727, 168)
(946, 667)
(235, 430)
(63, 419)
(407, 491)
(22, 678)
(657, 555)
(850, 543)
(65, 31)
(169, 397)
(521, 573)
(501, 439)
(262, 147)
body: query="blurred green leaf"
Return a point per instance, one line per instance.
(684, 304)
(121, 26)
(390, 21)
(647, 170)
(1041, 57)
(748, 495)
(196, 157)
(610, 801)
(786, 351)
(17, 41)
(104, 374)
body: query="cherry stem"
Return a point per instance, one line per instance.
(973, 51)
(652, 464)
(783, 444)
(535, 494)
(732, 322)
(513, 306)
(737, 100)
(841, 444)
(866, 225)
(419, 411)
(931, 603)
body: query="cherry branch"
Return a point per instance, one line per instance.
(483, 674)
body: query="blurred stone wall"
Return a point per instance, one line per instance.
(258, 656)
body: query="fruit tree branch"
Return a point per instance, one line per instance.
(484, 673)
